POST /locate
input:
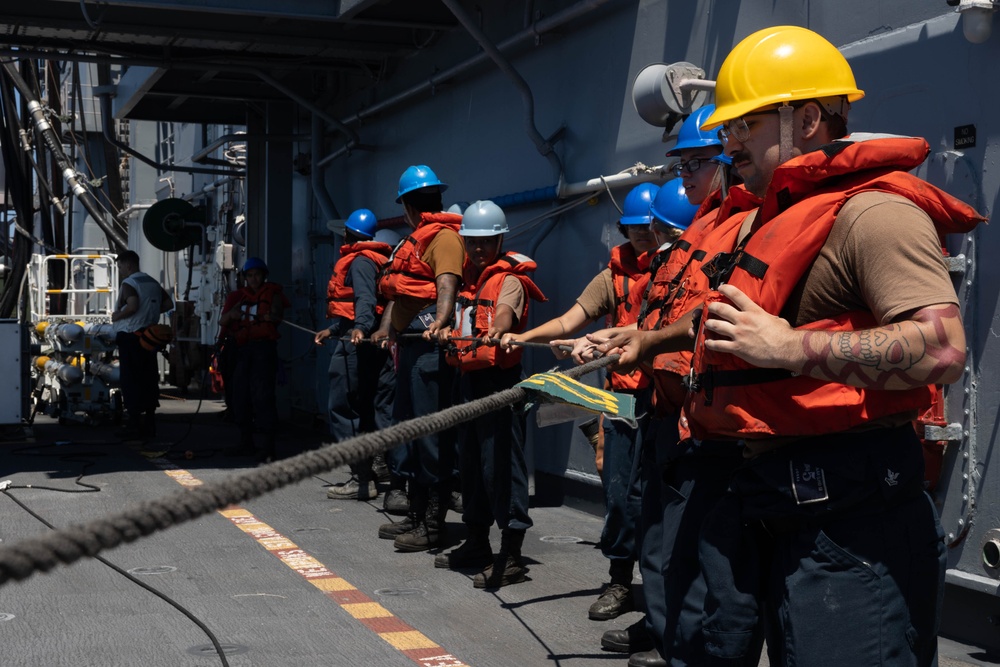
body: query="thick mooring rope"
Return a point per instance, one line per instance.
(20, 560)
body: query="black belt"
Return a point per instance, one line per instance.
(711, 379)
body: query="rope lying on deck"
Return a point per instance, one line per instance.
(20, 560)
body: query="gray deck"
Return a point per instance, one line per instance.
(370, 606)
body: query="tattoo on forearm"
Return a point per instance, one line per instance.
(896, 356)
(885, 349)
(445, 302)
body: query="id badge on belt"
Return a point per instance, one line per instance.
(808, 483)
(427, 319)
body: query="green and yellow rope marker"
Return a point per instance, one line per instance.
(557, 388)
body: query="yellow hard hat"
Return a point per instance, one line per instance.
(777, 65)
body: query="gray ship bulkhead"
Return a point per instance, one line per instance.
(337, 99)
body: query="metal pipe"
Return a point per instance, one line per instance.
(68, 171)
(659, 173)
(696, 84)
(218, 143)
(598, 184)
(134, 208)
(316, 179)
(109, 135)
(527, 98)
(214, 185)
(532, 32)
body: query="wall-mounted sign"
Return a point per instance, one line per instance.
(965, 136)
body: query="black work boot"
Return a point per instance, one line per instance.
(633, 639)
(650, 658)
(508, 567)
(427, 532)
(616, 599)
(474, 552)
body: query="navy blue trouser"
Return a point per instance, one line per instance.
(424, 384)
(621, 481)
(140, 378)
(358, 392)
(491, 454)
(254, 379)
(360, 397)
(385, 393)
(853, 576)
(679, 491)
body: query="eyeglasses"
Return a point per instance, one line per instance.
(691, 166)
(738, 129)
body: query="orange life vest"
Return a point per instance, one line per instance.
(406, 273)
(651, 261)
(688, 250)
(677, 284)
(670, 271)
(253, 309)
(340, 297)
(730, 398)
(475, 309)
(626, 269)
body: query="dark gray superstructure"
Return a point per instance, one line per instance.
(293, 114)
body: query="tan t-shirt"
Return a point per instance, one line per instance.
(512, 294)
(883, 255)
(444, 254)
(598, 297)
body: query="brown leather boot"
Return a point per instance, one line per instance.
(428, 529)
(393, 529)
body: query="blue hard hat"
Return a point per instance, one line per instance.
(692, 136)
(635, 210)
(416, 177)
(671, 206)
(722, 158)
(254, 263)
(361, 223)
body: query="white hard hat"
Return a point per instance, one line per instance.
(483, 218)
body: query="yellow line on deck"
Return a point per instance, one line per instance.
(410, 642)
